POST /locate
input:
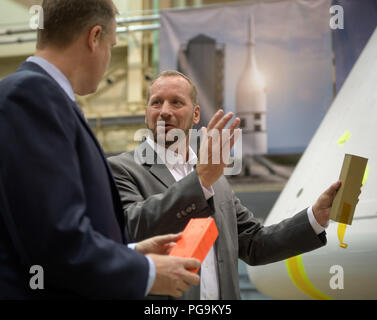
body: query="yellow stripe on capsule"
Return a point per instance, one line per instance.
(296, 272)
(365, 177)
(344, 138)
(341, 231)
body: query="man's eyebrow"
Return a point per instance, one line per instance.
(177, 96)
(151, 98)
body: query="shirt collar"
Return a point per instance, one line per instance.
(55, 73)
(172, 158)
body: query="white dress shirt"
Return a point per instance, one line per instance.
(209, 282)
(179, 168)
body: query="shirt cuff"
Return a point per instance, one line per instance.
(152, 275)
(152, 270)
(313, 222)
(132, 245)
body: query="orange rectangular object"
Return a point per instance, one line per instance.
(197, 239)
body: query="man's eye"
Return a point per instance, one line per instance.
(177, 102)
(156, 102)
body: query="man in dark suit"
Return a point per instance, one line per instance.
(162, 196)
(59, 206)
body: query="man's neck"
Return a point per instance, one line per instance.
(65, 61)
(186, 151)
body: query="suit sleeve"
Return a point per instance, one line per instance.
(161, 213)
(40, 172)
(260, 245)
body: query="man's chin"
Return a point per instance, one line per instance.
(164, 142)
(86, 91)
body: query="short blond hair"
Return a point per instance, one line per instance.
(174, 73)
(64, 20)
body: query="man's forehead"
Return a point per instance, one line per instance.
(172, 81)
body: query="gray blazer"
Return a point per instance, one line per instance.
(154, 204)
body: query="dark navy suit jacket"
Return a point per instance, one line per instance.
(59, 206)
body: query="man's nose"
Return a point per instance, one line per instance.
(165, 111)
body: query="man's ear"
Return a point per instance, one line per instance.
(196, 118)
(94, 37)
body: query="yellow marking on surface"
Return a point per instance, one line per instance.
(365, 177)
(296, 272)
(344, 138)
(341, 231)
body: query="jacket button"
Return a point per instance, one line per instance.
(183, 213)
(188, 209)
(193, 206)
(179, 215)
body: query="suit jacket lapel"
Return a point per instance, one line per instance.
(146, 156)
(162, 173)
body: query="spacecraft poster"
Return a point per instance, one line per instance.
(270, 63)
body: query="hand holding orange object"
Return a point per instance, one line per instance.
(197, 239)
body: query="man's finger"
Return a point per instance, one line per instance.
(184, 286)
(229, 141)
(215, 119)
(331, 191)
(169, 247)
(234, 125)
(177, 293)
(191, 278)
(188, 275)
(191, 263)
(234, 138)
(222, 123)
(204, 133)
(165, 239)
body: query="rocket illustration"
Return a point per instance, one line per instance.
(251, 101)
